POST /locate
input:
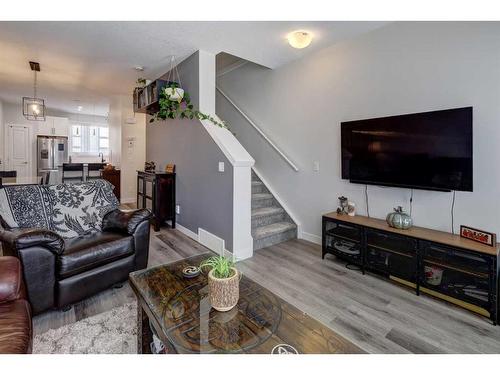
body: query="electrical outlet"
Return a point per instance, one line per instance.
(316, 166)
(221, 166)
(177, 209)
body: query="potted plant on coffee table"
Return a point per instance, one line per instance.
(223, 282)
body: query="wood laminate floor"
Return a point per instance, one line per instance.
(375, 314)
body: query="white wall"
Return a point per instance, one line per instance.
(12, 114)
(402, 68)
(127, 144)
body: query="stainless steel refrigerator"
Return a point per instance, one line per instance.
(52, 152)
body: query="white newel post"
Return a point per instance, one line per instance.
(240, 159)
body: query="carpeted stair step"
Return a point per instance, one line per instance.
(258, 187)
(255, 178)
(267, 215)
(262, 200)
(271, 234)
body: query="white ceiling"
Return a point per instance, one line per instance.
(91, 61)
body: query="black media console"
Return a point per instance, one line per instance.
(436, 263)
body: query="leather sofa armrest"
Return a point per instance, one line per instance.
(125, 221)
(11, 280)
(22, 238)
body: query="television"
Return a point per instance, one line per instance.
(428, 150)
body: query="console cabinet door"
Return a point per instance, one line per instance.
(464, 275)
(343, 240)
(392, 255)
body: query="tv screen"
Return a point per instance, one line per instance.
(429, 150)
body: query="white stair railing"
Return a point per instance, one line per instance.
(268, 140)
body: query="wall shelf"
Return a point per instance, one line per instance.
(146, 99)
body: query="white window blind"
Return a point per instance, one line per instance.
(88, 138)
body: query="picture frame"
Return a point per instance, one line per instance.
(478, 235)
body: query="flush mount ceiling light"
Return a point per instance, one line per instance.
(34, 108)
(299, 39)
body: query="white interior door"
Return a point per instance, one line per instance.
(19, 150)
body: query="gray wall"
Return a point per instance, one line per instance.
(401, 68)
(204, 194)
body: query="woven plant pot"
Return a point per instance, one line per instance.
(224, 293)
(175, 93)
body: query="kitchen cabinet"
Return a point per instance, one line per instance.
(54, 126)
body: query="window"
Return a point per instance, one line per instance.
(76, 138)
(89, 138)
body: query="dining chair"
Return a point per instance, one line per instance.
(8, 174)
(72, 167)
(45, 178)
(94, 167)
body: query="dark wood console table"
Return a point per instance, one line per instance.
(156, 191)
(444, 265)
(113, 176)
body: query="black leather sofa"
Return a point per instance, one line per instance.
(59, 272)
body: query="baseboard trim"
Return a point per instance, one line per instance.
(187, 232)
(314, 238)
(196, 238)
(210, 240)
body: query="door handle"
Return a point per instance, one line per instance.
(25, 162)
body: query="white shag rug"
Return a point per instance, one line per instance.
(111, 332)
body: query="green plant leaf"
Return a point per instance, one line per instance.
(222, 267)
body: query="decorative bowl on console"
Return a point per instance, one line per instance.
(399, 219)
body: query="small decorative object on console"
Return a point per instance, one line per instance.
(109, 167)
(478, 235)
(343, 205)
(399, 219)
(433, 275)
(223, 283)
(170, 168)
(149, 166)
(351, 209)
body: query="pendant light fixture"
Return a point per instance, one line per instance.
(34, 108)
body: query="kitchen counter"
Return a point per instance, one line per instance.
(10, 181)
(56, 177)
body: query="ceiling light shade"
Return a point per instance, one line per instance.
(34, 108)
(299, 39)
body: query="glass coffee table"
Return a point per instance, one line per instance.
(178, 310)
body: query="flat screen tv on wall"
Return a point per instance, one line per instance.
(428, 150)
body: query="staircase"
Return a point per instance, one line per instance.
(271, 224)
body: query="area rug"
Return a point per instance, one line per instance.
(111, 332)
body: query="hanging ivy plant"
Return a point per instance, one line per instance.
(173, 105)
